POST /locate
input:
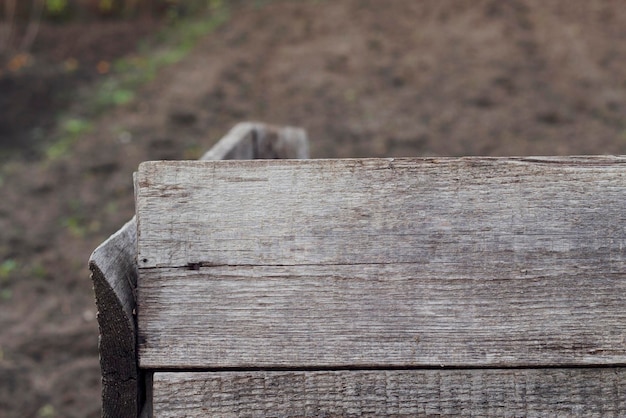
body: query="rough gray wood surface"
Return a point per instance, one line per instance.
(114, 274)
(453, 393)
(382, 262)
(379, 315)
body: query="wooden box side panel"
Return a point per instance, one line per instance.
(399, 262)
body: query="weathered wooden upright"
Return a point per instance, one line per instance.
(382, 287)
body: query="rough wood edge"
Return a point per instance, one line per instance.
(249, 140)
(114, 275)
(113, 266)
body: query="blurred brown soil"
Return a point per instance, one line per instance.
(63, 60)
(364, 77)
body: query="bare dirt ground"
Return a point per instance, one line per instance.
(364, 77)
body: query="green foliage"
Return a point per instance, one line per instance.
(38, 271)
(75, 222)
(57, 7)
(46, 411)
(172, 10)
(118, 87)
(59, 148)
(7, 267)
(121, 97)
(113, 92)
(71, 129)
(75, 226)
(179, 39)
(105, 6)
(75, 126)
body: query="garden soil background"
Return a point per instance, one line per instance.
(364, 78)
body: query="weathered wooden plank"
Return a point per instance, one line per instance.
(379, 315)
(405, 262)
(479, 211)
(479, 393)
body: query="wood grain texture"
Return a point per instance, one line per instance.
(114, 274)
(474, 212)
(378, 315)
(382, 262)
(414, 393)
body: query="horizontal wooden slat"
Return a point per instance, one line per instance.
(415, 262)
(378, 315)
(380, 211)
(478, 393)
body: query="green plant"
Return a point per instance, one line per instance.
(46, 411)
(75, 226)
(38, 271)
(105, 6)
(179, 39)
(7, 267)
(75, 126)
(128, 74)
(113, 93)
(71, 129)
(57, 8)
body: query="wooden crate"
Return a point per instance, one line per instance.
(382, 287)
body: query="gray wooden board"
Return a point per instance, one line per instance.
(398, 262)
(479, 393)
(392, 315)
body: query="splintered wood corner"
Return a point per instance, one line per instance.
(459, 286)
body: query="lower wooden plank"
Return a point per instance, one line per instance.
(589, 392)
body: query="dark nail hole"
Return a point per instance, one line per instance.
(193, 266)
